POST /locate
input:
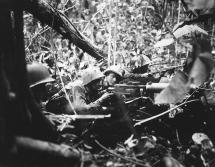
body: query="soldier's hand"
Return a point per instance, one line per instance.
(162, 73)
(145, 75)
(105, 96)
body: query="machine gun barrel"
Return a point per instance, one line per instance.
(154, 87)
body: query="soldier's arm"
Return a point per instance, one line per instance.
(80, 104)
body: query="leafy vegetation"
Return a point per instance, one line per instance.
(164, 31)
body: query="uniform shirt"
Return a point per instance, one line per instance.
(84, 101)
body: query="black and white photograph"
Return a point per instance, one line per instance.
(107, 83)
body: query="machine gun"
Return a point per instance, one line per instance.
(137, 96)
(166, 69)
(135, 90)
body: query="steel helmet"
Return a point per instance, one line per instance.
(115, 69)
(90, 74)
(140, 60)
(38, 74)
(146, 60)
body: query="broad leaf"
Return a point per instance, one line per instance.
(188, 29)
(206, 5)
(176, 90)
(164, 42)
(200, 71)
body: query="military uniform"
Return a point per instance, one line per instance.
(110, 130)
(83, 101)
(41, 127)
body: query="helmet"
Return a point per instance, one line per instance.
(140, 60)
(91, 74)
(38, 74)
(115, 69)
(146, 60)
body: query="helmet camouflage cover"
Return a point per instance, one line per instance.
(115, 69)
(90, 74)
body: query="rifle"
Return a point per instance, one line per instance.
(149, 74)
(64, 120)
(166, 69)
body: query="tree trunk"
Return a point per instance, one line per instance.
(13, 83)
(17, 107)
(30, 152)
(42, 153)
(59, 22)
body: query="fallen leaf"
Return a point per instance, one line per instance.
(199, 137)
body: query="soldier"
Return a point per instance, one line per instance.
(113, 75)
(139, 67)
(85, 93)
(42, 128)
(38, 76)
(139, 64)
(86, 99)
